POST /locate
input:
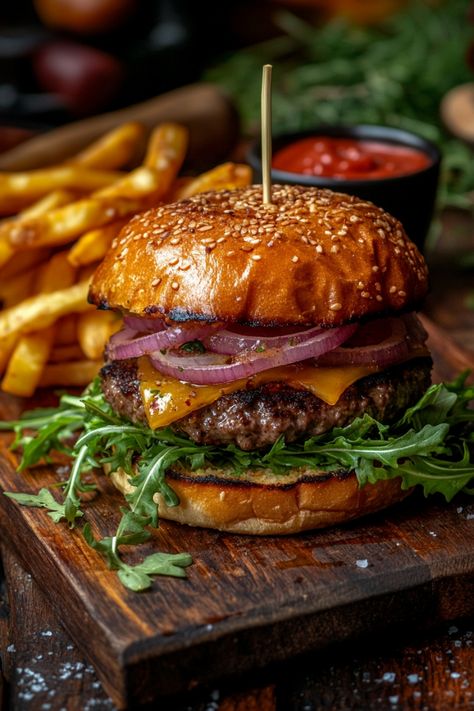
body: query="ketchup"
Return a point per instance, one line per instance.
(349, 158)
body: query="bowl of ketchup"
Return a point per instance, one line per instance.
(395, 169)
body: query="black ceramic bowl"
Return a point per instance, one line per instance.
(410, 198)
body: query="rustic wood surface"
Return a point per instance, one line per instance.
(203, 108)
(432, 672)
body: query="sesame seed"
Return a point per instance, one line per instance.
(295, 259)
(231, 253)
(402, 293)
(184, 267)
(365, 294)
(335, 307)
(173, 261)
(319, 249)
(175, 285)
(378, 297)
(375, 268)
(392, 289)
(175, 240)
(256, 257)
(204, 228)
(156, 281)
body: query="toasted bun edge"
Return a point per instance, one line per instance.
(214, 499)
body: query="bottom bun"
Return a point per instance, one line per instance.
(261, 502)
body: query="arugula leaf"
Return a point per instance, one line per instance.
(44, 499)
(137, 577)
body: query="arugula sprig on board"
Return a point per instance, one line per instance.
(432, 445)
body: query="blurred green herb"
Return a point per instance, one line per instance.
(395, 74)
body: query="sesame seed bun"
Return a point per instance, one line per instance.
(260, 502)
(311, 257)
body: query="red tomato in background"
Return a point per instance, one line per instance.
(85, 78)
(84, 16)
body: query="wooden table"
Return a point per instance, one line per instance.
(416, 668)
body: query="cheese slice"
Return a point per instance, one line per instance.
(166, 399)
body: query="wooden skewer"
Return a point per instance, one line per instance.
(267, 133)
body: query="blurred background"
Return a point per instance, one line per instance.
(371, 61)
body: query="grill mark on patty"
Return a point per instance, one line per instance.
(255, 418)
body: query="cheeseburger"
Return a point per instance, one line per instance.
(252, 327)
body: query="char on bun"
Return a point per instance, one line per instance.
(249, 327)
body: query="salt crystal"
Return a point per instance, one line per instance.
(363, 563)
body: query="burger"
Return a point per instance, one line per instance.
(257, 333)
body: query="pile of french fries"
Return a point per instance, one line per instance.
(57, 225)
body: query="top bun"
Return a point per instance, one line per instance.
(311, 257)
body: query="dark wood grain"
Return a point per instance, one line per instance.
(248, 602)
(44, 668)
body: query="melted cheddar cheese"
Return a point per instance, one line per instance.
(166, 399)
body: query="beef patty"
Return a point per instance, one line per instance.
(255, 418)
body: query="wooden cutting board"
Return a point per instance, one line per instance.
(248, 601)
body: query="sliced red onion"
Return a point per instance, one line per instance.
(212, 368)
(144, 324)
(392, 349)
(231, 342)
(126, 344)
(415, 329)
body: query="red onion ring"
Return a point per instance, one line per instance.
(230, 342)
(416, 332)
(125, 343)
(392, 349)
(144, 324)
(210, 368)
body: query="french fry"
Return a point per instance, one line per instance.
(56, 274)
(93, 246)
(75, 373)
(51, 201)
(66, 330)
(56, 199)
(17, 288)
(227, 176)
(167, 149)
(6, 249)
(27, 362)
(114, 150)
(42, 310)
(18, 190)
(94, 329)
(23, 262)
(63, 354)
(7, 346)
(32, 350)
(138, 190)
